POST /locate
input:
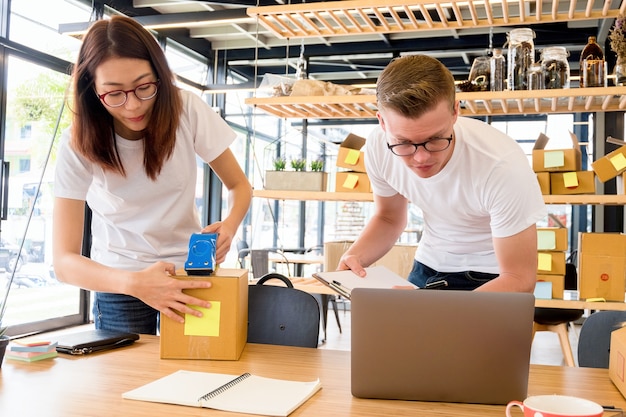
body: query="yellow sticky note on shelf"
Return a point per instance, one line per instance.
(618, 161)
(546, 240)
(570, 179)
(553, 159)
(544, 261)
(207, 325)
(351, 181)
(352, 157)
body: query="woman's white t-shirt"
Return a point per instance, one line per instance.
(487, 189)
(137, 221)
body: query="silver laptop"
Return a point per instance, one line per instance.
(447, 346)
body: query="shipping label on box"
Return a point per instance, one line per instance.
(552, 239)
(556, 160)
(602, 266)
(610, 165)
(617, 359)
(544, 182)
(355, 182)
(557, 281)
(399, 259)
(575, 182)
(350, 155)
(222, 332)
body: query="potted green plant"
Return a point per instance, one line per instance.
(298, 178)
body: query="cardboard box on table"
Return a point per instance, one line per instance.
(556, 160)
(573, 182)
(399, 259)
(602, 266)
(617, 359)
(350, 155)
(558, 284)
(222, 332)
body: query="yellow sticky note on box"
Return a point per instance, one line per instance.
(352, 157)
(618, 161)
(570, 179)
(351, 181)
(544, 261)
(546, 240)
(207, 325)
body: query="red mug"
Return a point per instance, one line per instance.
(556, 406)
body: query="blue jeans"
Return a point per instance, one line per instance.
(422, 275)
(124, 313)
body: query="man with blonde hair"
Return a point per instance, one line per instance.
(479, 196)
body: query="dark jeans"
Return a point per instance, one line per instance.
(124, 313)
(423, 276)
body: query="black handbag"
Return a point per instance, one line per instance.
(91, 341)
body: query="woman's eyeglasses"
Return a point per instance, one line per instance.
(118, 98)
(432, 145)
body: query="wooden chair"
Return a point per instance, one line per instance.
(594, 341)
(557, 320)
(280, 315)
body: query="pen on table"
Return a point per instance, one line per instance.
(342, 288)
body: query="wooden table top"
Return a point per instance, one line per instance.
(92, 385)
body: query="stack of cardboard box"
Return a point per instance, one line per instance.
(559, 170)
(351, 157)
(552, 245)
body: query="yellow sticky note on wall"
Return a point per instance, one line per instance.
(570, 179)
(618, 161)
(544, 261)
(553, 159)
(207, 325)
(352, 157)
(351, 181)
(546, 240)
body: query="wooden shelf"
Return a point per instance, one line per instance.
(312, 195)
(367, 17)
(505, 103)
(591, 199)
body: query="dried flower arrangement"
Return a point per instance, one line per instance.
(617, 36)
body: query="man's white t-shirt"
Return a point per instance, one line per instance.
(137, 221)
(487, 189)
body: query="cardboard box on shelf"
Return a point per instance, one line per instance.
(222, 332)
(617, 359)
(602, 265)
(399, 259)
(551, 263)
(621, 184)
(556, 160)
(574, 182)
(544, 182)
(350, 155)
(558, 284)
(610, 165)
(552, 238)
(350, 181)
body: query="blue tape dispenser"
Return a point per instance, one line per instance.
(201, 257)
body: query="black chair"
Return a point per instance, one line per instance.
(594, 340)
(282, 315)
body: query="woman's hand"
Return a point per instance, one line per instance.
(225, 237)
(156, 287)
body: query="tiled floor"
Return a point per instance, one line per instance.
(546, 349)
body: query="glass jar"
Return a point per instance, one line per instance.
(535, 77)
(592, 65)
(498, 71)
(480, 73)
(555, 67)
(521, 57)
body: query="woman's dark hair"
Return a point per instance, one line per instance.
(92, 127)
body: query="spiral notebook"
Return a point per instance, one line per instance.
(242, 394)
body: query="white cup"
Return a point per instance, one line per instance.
(556, 406)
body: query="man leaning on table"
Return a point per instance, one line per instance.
(479, 196)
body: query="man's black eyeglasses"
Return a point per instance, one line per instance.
(118, 98)
(408, 149)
